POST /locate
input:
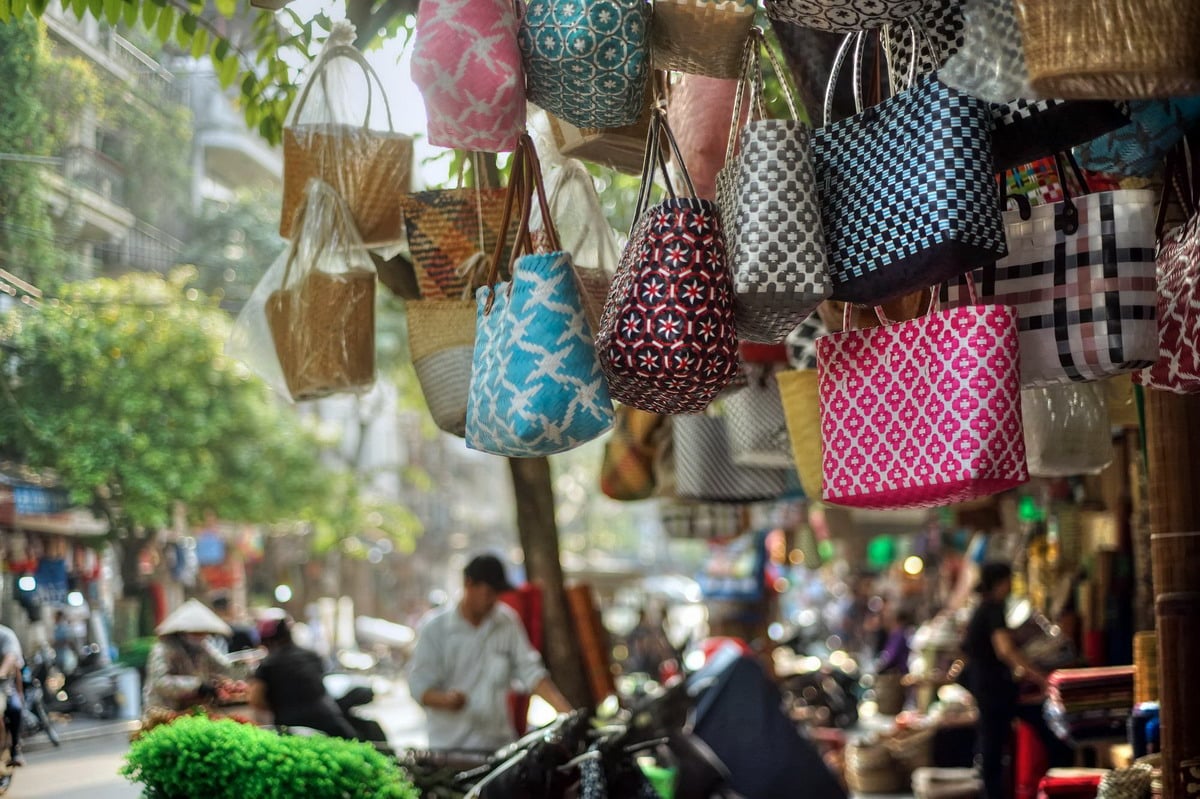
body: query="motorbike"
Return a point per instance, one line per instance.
(92, 688)
(35, 717)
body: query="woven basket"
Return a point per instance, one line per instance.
(370, 169)
(870, 768)
(798, 390)
(758, 434)
(441, 338)
(324, 333)
(443, 232)
(912, 749)
(1145, 667)
(622, 149)
(1112, 49)
(700, 37)
(890, 693)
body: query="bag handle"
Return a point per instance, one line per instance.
(752, 77)
(317, 190)
(516, 186)
(655, 154)
(348, 52)
(935, 305)
(1178, 177)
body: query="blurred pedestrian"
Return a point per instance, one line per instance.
(185, 667)
(290, 684)
(468, 656)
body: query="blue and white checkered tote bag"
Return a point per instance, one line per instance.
(536, 386)
(908, 197)
(1081, 274)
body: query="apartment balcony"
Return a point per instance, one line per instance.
(88, 189)
(227, 153)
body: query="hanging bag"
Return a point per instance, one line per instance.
(705, 469)
(1177, 367)
(1111, 49)
(587, 63)
(309, 326)
(907, 193)
(627, 470)
(922, 413)
(1081, 275)
(1027, 130)
(370, 169)
(771, 213)
(701, 37)
(699, 109)
(844, 15)
(756, 422)
(1067, 429)
(667, 340)
(536, 387)
(467, 64)
(991, 62)
(621, 149)
(1139, 148)
(443, 226)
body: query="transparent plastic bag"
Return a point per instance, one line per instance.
(340, 130)
(308, 328)
(991, 62)
(1067, 429)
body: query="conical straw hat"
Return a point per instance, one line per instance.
(193, 617)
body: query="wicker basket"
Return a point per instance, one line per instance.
(798, 390)
(324, 333)
(443, 228)
(870, 768)
(701, 37)
(441, 339)
(1145, 667)
(622, 149)
(912, 749)
(890, 693)
(1112, 49)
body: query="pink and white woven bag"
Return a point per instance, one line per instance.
(924, 413)
(467, 64)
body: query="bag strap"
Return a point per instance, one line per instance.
(934, 306)
(656, 155)
(1177, 179)
(318, 191)
(516, 186)
(348, 52)
(752, 77)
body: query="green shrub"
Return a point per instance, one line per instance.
(136, 652)
(196, 757)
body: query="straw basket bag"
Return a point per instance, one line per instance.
(870, 768)
(798, 390)
(1112, 49)
(701, 37)
(370, 169)
(323, 323)
(621, 149)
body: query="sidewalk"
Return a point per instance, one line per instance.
(79, 728)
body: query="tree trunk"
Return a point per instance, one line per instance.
(538, 532)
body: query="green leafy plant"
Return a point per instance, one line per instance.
(196, 757)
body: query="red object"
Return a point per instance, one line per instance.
(1029, 762)
(710, 646)
(1073, 787)
(158, 596)
(762, 353)
(1093, 647)
(527, 602)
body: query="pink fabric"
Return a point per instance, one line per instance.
(700, 111)
(922, 413)
(467, 64)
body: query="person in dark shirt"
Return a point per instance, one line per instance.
(992, 659)
(243, 636)
(289, 684)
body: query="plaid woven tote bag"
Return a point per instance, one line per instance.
(1081, 275)
(907, 193)
(770, 212)
(922, 413)
(667, 340)
(536, 388)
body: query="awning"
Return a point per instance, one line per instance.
(72, 522)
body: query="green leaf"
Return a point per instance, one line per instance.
(96, 7)
(38, 7)
(323, 22)
(188, 23)
(131, 14)
(5, 12)
(182, 37)
(221, 50)
(80, 7)
(112, 11)
(149, 14)
(166, 24)
(226, 8)
(228, 71)
(18, 8)
(199, 43)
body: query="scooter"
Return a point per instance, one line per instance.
(93, 688)
(35, 717)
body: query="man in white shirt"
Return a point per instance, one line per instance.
(12, 660)
(468, 657)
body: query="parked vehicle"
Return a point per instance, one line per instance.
(36, 718)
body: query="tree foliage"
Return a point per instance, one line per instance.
(120, 386)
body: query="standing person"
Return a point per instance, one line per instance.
(894, 654)
(993, 658)
(289, 683)
(66, 648)
(243, 636)
(185, 666)
(468, 656)
(12, 660)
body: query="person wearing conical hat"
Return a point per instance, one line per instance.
(185, 667)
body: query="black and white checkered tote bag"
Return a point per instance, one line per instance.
(990, 64)
(844, 15)
(769, 192)
(704, 466)
(941, 30)
(1028, 130)
(1081, 274)
(908, 197)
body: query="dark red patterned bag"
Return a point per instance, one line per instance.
(667, 341)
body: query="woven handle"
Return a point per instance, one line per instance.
(348, 52)
(1179, 178)
(858, 41)
(655, 154)
(752, 77)
(318, 191)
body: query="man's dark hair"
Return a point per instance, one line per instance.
(991, 575)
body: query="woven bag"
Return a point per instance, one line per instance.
(627, 470)
(370, 169)
(844, 15)
(441, 343)
(667, 341)
(703, 521)
(990, 63)
(323, 323)
(622, 149)
(770, 212)
(704, 467)
(941, 31)
(907, 192)
(446, 227)
(699, 110)
(870, 768)
(801, 399)
(701, 37)
(758, 434)
(1067, 430)
(1027, 130)
(1112, 49)
(1140, 147)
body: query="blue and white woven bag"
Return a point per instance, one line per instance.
(587, 61)
(536, 386)
(908, 196)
